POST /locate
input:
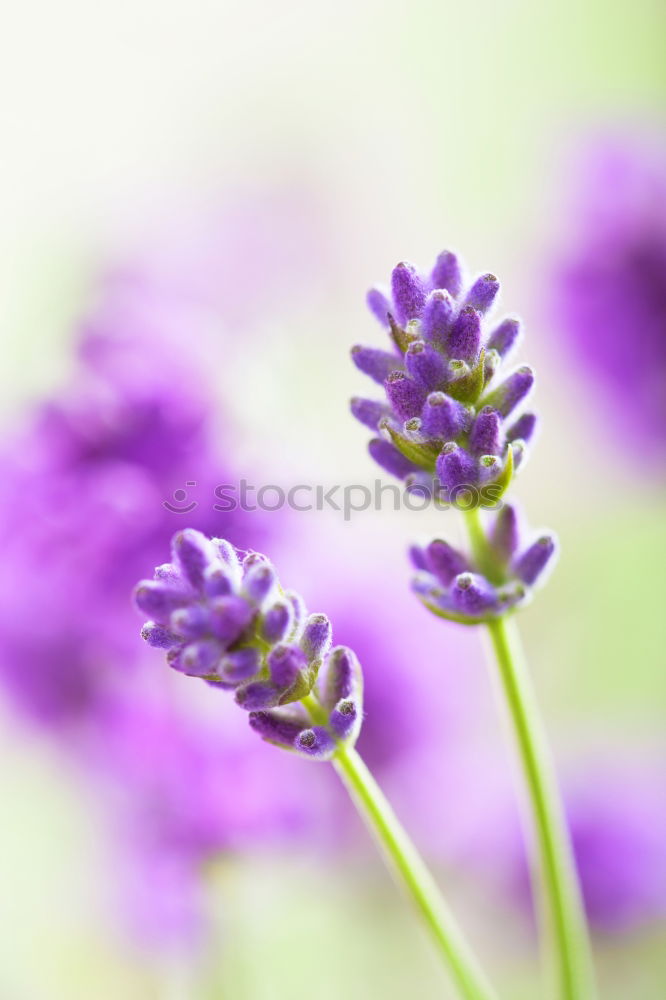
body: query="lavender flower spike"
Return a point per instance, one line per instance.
(447, 422)
(222, 617)
(442, 369)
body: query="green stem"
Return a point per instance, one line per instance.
(554, 875)
(409, 868)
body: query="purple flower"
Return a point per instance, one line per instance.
(82, 498)
(209, 608)
(616, 814)
(181, 787)
(445, 408)
(610, 284)
(453, 586)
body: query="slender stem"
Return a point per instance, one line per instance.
(411, 872)
(554, 875)
(407, 865)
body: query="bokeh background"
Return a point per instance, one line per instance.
(195, 198)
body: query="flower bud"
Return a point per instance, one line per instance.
(437, 317)
(316, 638)
(200, 658)
(277, 622)
(157, 600)
(344, 718)
(473, 595)
(281, 727)
(512, 391)
(532, 563)
(159, 636)
(408, 291)
(486, 432)
(504, 337)
(285, 664)
(378, 305)
(447, 273)
(405, 395)
(342, 677)
(455, 467)
(465, 337)
(523, 428)
(257, 695)
(316, 742)
(444, 561)
(374, 362)
(193, 553)
(443, 417)
(369, 411)
(425, 365)
(505, 533)
(483, 293)
(389, 458)
(190, 622)
(259, 580)
(229, 616)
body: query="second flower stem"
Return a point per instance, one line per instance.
(413, 874)
(554, 873)
(409, 869)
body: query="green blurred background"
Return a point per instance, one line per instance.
(410, 127)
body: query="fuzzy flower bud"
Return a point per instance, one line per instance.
(221, 616)
(446, 405)
(453, 586)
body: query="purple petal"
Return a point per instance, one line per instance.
(374, 362)
(229, 617)
(447, 274)
(455, 467)
(437, 316)
(533, 562)
(465, 337)
(379, 305)
(405, 395)
(409, 292)
(504, 337)
(485, 436)
(369, 411)
(316, 638)
(444, 561)
(193, 553)
(512, 391)
(443, 417)
(483, 293)
(473, 595)
(425, 364)
(390, 459)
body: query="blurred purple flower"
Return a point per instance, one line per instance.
(617, 816)
(82, 501)
(182, 788)
(82, 498)
(610, 288)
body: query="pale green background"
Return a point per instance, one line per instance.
(418, 125)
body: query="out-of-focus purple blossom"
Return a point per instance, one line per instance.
(82, 498)
(446, 406)
(616, 812)
(610, 283)
(182, 788)
(222, 616)
(457, 587)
